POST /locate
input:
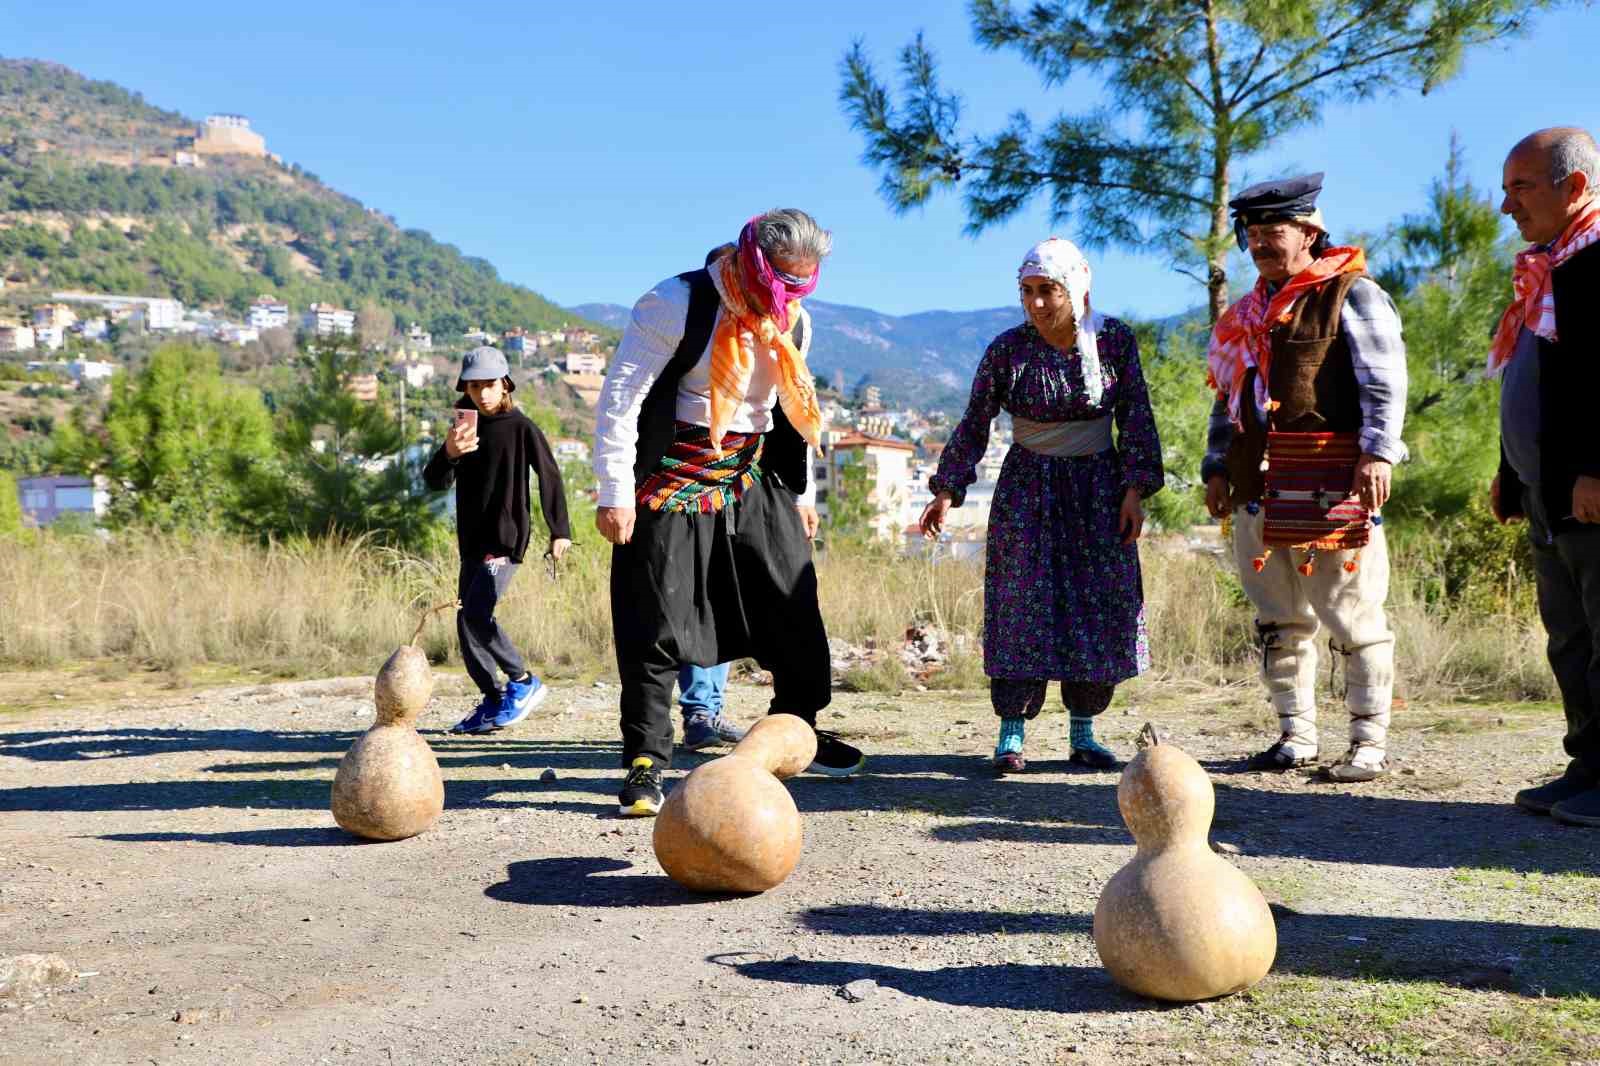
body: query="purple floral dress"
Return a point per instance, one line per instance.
(1063, 596)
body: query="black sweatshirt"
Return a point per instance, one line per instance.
(492, 508)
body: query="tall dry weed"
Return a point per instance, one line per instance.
(336, 606)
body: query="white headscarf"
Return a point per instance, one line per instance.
(1061, 262)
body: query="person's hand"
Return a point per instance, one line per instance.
(1495, 507)
(461, 439)
(1130, 523)
(558, 548)
(1586, 499)
(808, 519)
(1217, 496)
(932, 520)
(615, 523)
(1373, 479)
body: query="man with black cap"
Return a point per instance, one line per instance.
(1309, 369)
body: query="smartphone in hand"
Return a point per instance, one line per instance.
(467, 420)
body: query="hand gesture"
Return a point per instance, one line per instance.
(1217, 496)
(808, 520)
(1373, 476)
(615, 523)
(462, 438)
(558, 548)
(1130, 522)
(932, 520)
(1586, 499)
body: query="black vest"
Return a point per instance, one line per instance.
(783, 453)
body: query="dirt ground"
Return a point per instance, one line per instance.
(176, 849)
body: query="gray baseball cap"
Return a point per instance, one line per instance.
(484, 363)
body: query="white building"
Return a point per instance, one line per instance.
(417, 375)
(93, 329)
(50, 338)
(234, 333)
(267, 313)
(586, 363)
(570, 448)
(418, 338)
(57, 315)
(159, 312)
(45, 499)
(474, 338)
(325, 320)
(888, 465)
(15, 338)
(87, 371)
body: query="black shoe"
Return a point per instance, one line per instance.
(641, 790)
(1582, 809)
(1574, 782)
(1095, 758)
(836, 758)
(1278, 758)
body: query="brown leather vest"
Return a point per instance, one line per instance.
(1311, 378)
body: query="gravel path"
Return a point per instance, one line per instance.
(179, 854)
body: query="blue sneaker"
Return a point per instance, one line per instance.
(480, 720)
(520, 698)
(704, 730)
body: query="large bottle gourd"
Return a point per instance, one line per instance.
(1178, 922)
(731, 825)
(388, 786)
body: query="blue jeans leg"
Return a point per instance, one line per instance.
(700, 689)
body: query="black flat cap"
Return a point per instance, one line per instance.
(1277, 200)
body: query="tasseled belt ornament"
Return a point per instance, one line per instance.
(1309, 500)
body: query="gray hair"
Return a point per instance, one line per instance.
(1573, 150)
(791, 233)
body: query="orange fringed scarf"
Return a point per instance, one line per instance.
(1242, 337)
(733, 362)
(1534, 304)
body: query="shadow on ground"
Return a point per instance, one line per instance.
(590, 881)
(1506, 956)
(963, 802)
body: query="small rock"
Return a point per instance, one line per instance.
(1222, 848)
(856, 991)
(196, 1015)
(505, 766)
(30, 976)
(547, 775)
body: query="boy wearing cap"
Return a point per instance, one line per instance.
(1309, 368)
(487, 458)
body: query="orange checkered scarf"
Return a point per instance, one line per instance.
(733, 361)
(1534, 304)
(1242, 337)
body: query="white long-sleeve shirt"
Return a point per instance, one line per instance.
(654, 332)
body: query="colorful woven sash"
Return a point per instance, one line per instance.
(1309, 502)
(691, 477)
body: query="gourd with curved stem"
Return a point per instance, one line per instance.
(388, 786)
(1178, 922)
(731, 826)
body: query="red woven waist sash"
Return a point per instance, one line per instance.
(1309, 502)
(690, 477)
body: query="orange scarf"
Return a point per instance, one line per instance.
(1243, 335)
(733, 362)
(1534, 302)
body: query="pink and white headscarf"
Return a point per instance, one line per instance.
(1060, 261)
(778, 288)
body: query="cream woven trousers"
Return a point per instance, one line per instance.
(1293, 608)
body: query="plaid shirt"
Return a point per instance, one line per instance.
(1371, 328)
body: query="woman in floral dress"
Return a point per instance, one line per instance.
(1063, 597)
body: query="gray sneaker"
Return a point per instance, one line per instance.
(1574, 782)
(704, 730)
(1347, 770)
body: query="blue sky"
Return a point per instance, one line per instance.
(589, 152)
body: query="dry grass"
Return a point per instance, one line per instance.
(334, 607)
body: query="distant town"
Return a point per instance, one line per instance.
(71, 336)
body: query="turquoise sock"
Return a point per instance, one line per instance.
(1011, 730)
(1082, 736)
